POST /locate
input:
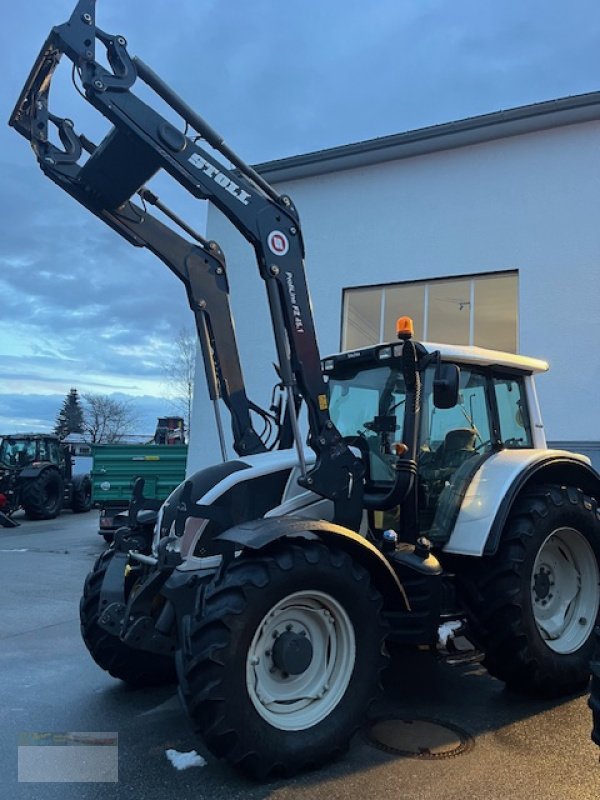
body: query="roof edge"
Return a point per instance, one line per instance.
(446, 136)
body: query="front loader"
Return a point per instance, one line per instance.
(426, 497)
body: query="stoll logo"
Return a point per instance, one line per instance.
(219, 178)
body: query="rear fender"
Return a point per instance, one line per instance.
(491, 494)
(34, 472)
(258, 534)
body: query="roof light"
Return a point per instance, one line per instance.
(328, 363)
(404, 328)
(385, 352)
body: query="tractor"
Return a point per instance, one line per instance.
(36, 475)
(423, 497)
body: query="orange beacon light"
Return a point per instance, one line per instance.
(404, 328)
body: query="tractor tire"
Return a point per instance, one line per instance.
(42, 497)
(595, 691)
(283, 658)
(82, 497)
(136, 668)
(539, 596)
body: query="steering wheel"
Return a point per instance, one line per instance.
(482, 445)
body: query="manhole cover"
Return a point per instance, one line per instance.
(418, 738)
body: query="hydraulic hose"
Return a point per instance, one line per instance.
(406, 472)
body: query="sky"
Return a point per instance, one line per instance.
(79, 306)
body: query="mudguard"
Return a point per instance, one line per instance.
(259, 533)
(483, 506)
(33, 472)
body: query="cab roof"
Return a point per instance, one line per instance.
(461, 354)
(487, 358)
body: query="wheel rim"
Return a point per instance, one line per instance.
(296, 702)
(565, 590)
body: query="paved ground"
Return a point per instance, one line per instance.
(522, 749)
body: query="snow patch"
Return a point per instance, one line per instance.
(15, 550)
(185, 760)
(447, 630)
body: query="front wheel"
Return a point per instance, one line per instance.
(137, 668)
(82, 496)
(42, 497)
(540, 595)
(284, 659)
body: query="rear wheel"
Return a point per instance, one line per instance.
(595, 691)
(42, 497)
(135, 667)
(284, 660)
(540, 595)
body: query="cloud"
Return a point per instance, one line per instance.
(36, 413)
(81, 307)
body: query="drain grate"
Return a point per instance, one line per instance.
(418, 738)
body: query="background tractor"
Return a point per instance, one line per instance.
(36, 475)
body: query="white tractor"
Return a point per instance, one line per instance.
(426, 498)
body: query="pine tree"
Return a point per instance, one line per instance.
(70, 417)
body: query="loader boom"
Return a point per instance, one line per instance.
(141, 143)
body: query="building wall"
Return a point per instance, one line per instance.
(529, 202)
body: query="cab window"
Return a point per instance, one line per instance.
(515, 427)
(453, 442)
(54, 452)
(367, 407)
(465, 427)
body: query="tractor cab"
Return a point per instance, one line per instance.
(22, 450)
(493, 409)
(17, 451)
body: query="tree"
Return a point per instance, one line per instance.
(179, 372)
(107, 420)
(70, 418)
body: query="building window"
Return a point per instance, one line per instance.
(475, 309)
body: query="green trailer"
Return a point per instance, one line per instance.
(116, 467)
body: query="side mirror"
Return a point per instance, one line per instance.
(445, 385)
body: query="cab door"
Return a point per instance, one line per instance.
(453, 442)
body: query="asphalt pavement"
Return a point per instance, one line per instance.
(521, 749)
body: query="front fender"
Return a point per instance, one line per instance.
(491, 494)
(259, 533)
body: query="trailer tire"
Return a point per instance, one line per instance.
(271, 711)
(82, 496)
(42, 497)
(136, 668)
(539, 596)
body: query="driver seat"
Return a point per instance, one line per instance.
(458, 446)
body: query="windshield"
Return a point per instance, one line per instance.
(17, 452)
(368, 409)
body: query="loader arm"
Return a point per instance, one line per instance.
(141, 143)
(201, 268)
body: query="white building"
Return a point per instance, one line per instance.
(486, 231)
